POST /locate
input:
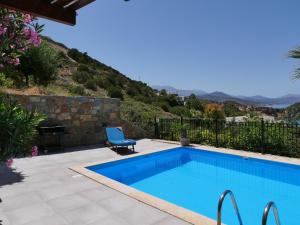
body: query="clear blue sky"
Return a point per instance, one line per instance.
(236, 46)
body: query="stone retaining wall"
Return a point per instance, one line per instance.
(84, 117)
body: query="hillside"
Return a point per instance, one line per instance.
(78, 74)
(222, 97)
(292, 113)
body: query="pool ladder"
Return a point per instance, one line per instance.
(0, 218)
(236, 209)
(266, 213)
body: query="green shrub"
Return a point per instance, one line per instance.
(12, 77)
(165, 106)
(181, 111)
(41, 63)
(205, 136)
(91, 84)
(17, 128)
(115, 92)
(78, 56)
(6, 81)
(77, 90)
(63, 59)
(83, 67)
(99, 82)
(81, 76)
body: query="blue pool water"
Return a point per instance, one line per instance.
(195, 180)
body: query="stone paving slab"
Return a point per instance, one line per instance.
(43, 191)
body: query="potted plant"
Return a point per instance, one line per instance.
(184, 140)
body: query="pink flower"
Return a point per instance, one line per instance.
(10, 162)
(33, 37)
(27, 18)
(16, 61)
(27, 32)
(34, 151)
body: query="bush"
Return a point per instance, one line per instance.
(41, 63)
(213, 111)
(91, 84)
(12, 77)
(81, 76)
(76, 90)
(181, 111)
(99, 82)
(115, 92)
(83, 67)
(17, 128)
(163, 105)
(5, 81)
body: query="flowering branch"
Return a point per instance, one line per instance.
(18, 32)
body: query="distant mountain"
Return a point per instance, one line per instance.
(180, 92)
(223, 97)
(257, 100)
(288, 99)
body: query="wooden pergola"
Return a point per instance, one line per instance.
(63, 11)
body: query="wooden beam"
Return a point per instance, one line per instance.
(42, 8)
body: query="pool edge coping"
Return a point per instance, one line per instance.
(160, 204)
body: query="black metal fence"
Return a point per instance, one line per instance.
(259, 136)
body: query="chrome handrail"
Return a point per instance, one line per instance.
(266, 213)
(0, 218)
(225, 193)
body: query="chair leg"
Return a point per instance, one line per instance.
(133, 148)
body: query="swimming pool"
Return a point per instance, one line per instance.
(194, 179)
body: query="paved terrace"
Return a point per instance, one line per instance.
(43, 191)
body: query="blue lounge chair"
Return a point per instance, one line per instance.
(116, 138)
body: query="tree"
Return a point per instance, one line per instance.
(18, 32)
(181, 111)
(163, 92)
(115, 92)
(231, 109)
(41, 63)
(192, 102)
(213, 111)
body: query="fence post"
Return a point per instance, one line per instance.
(155, 128)
(216, 133)
(262, 127)
(181, 120)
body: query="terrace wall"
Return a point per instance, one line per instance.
(84, 117)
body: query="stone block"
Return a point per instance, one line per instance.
(34, 99)
(76, 123)
(64, 116)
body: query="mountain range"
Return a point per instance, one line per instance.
(217, 96)
(179, 92)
